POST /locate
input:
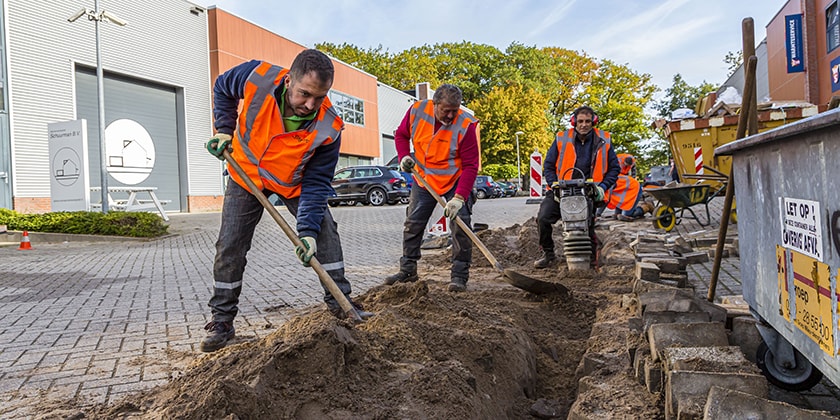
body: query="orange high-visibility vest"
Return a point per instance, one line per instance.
(436, 153)
(621, 158)
(566, 155)
(270, 156)
(623, 195)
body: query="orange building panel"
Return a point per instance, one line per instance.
(234, 40)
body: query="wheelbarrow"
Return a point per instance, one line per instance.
(675, 201)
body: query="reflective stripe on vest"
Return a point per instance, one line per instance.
(566, 155)
(271, 157)
(436, 153)
(623, 195)
(621, 158)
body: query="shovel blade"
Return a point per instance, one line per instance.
(535, 286)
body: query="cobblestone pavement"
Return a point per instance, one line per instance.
(98, 320)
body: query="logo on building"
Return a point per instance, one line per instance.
(130, 151)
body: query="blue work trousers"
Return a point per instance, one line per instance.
(420, 207)
(240, 214)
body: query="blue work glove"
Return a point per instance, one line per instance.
(599, 193)
(218, 144)
(407, 163)
(306, 250)
(452, 208)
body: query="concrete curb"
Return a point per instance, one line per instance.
(13, 237)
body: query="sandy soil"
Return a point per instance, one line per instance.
(492, 352)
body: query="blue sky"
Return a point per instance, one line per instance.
(659, 37)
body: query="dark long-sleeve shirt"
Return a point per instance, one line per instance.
(228, 90)
(467, 150)
(584, 153)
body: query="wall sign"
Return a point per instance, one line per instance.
(68, 166)
(793, 44)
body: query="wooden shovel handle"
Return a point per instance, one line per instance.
(325, 278)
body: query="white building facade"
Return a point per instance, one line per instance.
(156, 76)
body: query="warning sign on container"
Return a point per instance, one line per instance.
(784, 293)
(801, 226)
(812, 297)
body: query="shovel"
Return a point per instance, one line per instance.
(529, 284)
(325, 278)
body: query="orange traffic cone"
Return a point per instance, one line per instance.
(24, 241)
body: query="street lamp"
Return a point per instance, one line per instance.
(518, 163)
(97, 16)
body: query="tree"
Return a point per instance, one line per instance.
(372, 60)
(682, 95)
(733, 60)
(524, 88)
(504, 111)
(619, 96)
(572, 72)
(504, 171)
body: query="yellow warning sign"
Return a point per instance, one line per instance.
(812, 291)
(784, 293)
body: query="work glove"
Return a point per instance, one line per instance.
(554, 187)
(306, 250)
(453, 206)
(599, 193)
(407, 163)
(218, 144)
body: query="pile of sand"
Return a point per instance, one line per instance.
(492, 352)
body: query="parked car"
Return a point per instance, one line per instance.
(485, 187)
(369, 184)
(394, 165)
(499, 190)
(509, 189)
(658, 175)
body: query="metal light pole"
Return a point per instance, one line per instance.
(518, 162)
(97, 16)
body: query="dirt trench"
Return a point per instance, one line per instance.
(492, 352)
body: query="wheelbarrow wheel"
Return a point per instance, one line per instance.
(664, 217)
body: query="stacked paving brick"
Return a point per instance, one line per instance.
(693, 352)
(694, 357)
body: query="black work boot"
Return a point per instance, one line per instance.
(548, 259)
(458, 284)
(218, 334)
(336, 311)
(401, 277)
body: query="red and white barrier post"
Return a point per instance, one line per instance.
(536, 175)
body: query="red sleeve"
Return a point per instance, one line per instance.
(402, 137)
(468, 149)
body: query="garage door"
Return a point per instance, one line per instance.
(141, 134)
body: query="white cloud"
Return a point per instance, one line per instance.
(555, 15)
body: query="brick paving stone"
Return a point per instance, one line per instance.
(68, 391)
(9, 384)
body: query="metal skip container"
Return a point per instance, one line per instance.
(789, 236)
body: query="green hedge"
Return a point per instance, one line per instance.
(135, 224)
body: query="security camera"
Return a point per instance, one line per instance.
(77, 15)
(113, 19)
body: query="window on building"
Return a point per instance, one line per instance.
(351, 110)
(832, 27)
